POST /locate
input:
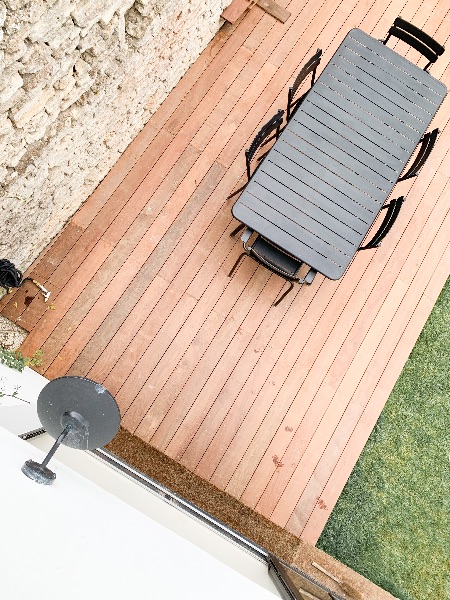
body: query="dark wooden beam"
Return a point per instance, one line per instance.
(238, 7)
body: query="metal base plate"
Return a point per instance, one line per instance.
(38, 473)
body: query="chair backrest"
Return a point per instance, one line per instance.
(309, 67)
(277, 261)
(274, 258)
(274, 124)
(427, 145)
(392, 212)
(416, 38)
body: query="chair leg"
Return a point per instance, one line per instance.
(291, 285)
(237, 230)
(241, 256)
(309, 276)
(236, 191)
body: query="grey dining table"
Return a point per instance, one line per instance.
(321, 186)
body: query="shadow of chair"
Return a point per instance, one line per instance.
(310, 67)
(274, 259)
(392, 212)
(417, 39)
(426, 146)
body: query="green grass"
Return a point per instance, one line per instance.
(392, 520)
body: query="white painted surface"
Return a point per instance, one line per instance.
(154, 507)
(73, 539)
(18, 396)
(103, 526)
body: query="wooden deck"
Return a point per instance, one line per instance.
(273, 405)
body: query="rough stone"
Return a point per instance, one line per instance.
(33, 106)
(78, 80)
(16, 4)
(51, 20)
(36, 58)
(11, 335)
(37, 79)
(2, 13)
(5, 124)
(10, 82)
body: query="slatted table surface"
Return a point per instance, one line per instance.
(322, 185)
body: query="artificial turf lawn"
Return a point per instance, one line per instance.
(392, 520)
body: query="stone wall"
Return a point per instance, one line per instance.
(78, 80)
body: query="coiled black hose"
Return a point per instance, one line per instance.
(10, 277)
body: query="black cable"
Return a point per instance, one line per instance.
(9, 276)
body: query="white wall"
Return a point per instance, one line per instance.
(97, 522)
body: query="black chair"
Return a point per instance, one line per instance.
(392, 212)
(274, 124)
(274, 259)
(427, 145)
(309, 67)
(416, 38)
